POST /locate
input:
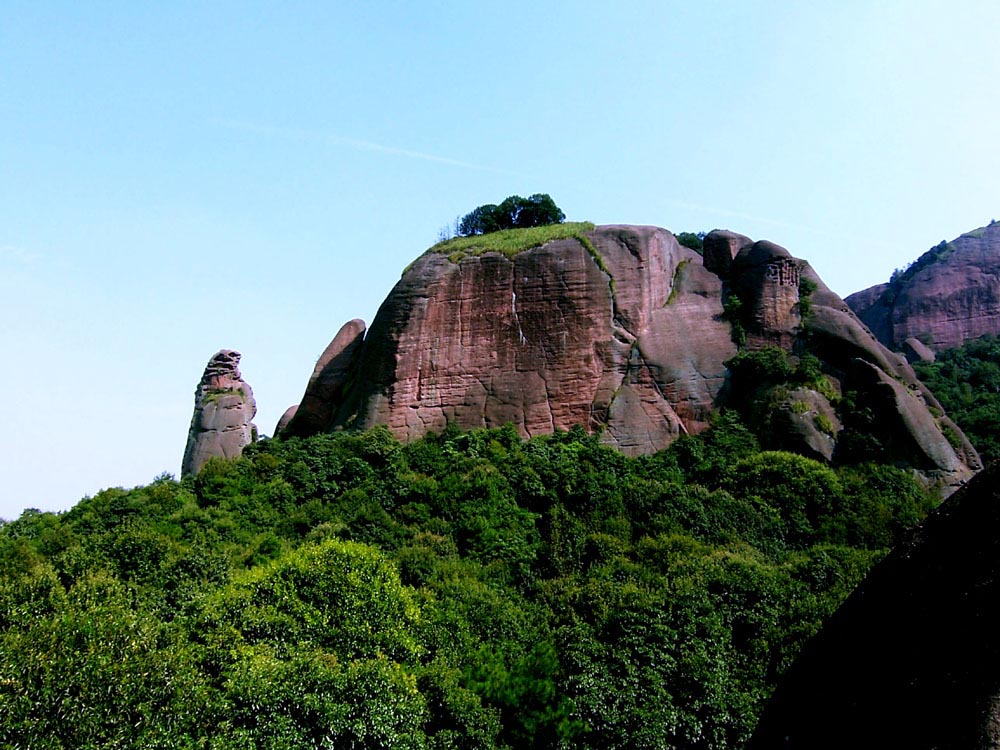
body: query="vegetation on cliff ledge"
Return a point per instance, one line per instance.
(467, 590)
(510, 242)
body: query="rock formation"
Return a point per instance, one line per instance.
(224, 408)
(631, 344)
(331, 374)
(911, 659)
(950, 295)
(620, 330)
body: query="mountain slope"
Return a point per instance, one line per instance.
(949, 295)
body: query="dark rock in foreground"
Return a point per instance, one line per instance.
(912, 658)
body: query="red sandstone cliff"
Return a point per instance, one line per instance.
(622, 331)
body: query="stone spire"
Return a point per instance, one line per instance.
(223, 412)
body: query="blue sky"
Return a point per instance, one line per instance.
(177, 178)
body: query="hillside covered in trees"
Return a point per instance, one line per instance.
(966, 381)
(465, 590)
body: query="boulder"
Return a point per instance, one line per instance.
(806, 423)
(224, 408)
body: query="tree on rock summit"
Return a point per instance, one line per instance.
(514, 212)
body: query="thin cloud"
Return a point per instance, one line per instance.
(737, 215)
(865, 241)
(18, 255)
(356, 144)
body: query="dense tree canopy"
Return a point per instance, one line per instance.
(514, 212)
(966, 380)
(467, 590)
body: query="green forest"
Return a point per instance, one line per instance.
(966, 380)
(467, 590)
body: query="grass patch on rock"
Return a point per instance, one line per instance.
(509, 242)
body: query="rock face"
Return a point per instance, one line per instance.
(631, 344)
(911, 659)
(950, 295)
(622, 331)
(331, 374)
(719, 249)
(766, 277)
(224, 408)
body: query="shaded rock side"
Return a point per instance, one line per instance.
(911, 659)
(951, 295)
(329, 378)
(620, 333)
(224, 408)
(768, 281)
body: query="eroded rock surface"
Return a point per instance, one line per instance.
(720, 247)
(224, 408)
(622, 331)
(951, 295)
(806, 423)
(911, 660)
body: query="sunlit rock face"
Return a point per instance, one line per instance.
(224, 408)
(948, 301)
(630, 345)
(911, 660)
(621, 331)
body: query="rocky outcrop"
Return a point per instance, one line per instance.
(766, 278)
(719, 248)
(325, 389)
(806, 422)
(224, 408)
(620, 330)
(911, 659)
(948, 296)
(284, 419)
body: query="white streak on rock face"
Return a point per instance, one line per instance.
(513, 309)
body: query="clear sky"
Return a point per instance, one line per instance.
(177, 178)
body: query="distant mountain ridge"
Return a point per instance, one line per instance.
(949, 295)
